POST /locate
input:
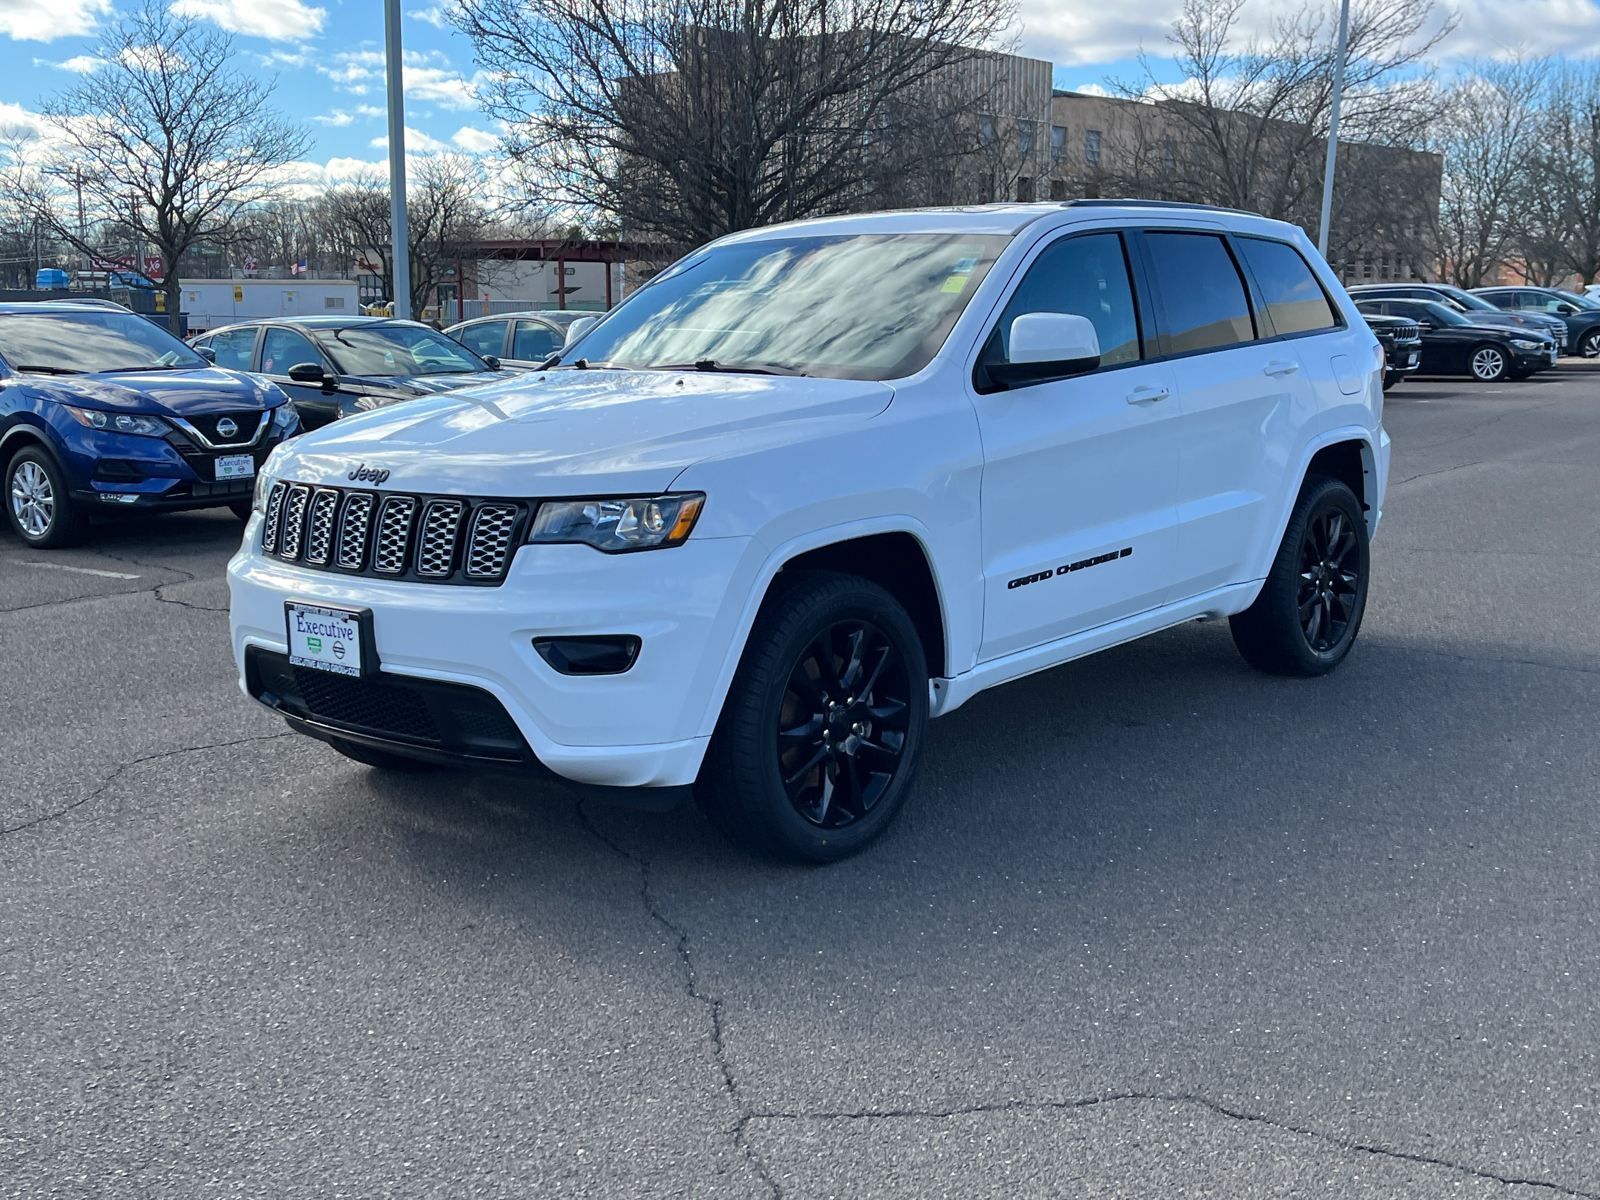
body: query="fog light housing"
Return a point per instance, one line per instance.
(606, 655)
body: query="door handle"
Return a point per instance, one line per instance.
(1279, 367)
(1147, 395)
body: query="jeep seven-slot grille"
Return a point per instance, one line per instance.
(432, 539)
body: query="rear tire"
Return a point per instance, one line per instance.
(381, 759)
(38, 502)
(822, 728)
(1309, 611)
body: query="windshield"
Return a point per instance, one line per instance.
(1465, 299)
(398, 350)
(1441, 314)
(76, 343)
(865, 306)
(1583, 302)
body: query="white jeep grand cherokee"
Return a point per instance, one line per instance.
(818, 483)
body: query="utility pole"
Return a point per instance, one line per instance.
(399, 253)
(1333, 128)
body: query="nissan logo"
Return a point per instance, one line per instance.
(226, 428)
(368, 474)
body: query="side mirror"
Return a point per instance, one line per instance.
(207, 353)
(1047, 346)
(1566, 310)
(580, 327)
(493, 361)
(306, 372)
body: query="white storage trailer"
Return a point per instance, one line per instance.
(212, 303)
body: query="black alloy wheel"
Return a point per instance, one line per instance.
(821, 729)
(842, 724)
(1487, 363)
(1330, 579)
(1589, 344)
(1309, 610)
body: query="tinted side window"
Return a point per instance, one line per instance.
(1289, 291)
(486, 337)
(1201, 290)
(1503, 299)
(535, 341)
(1086, 276)
(284, 348)
(233, 348)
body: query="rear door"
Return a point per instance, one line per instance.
(1242, 393)
(1444, 351)
(235, 348)
(1079, 473)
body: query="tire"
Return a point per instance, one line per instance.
(796, 771)
(240, 509)
(38, 503)
(1589, 344)
(1487, 363)
(1309, 611)
(381, 759)
(1391, 378)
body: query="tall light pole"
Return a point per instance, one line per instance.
(399, 254)
(1333, 128)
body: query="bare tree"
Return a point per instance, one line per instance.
(1248, 126)
(1490, 118)
(168, 138)
(444, 216)
(692, 118)
(1563, 174)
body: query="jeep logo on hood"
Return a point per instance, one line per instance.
(367, 474)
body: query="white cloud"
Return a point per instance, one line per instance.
(338, 118)
(82, 64)
(429, 77)
(278, 20)
(46, 20)
(437, 15)
(474, 141)
(416, 141)
(1075, 35)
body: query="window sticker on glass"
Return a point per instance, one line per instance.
(959, 274)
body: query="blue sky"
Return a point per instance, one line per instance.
(328, 55)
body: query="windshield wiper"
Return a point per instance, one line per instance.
(41, 369)
(711, 364)
(151, 367)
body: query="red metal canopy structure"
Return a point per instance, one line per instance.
(559, 251)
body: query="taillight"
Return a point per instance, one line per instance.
(1379, 361)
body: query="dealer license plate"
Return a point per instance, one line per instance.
(328, 639)
(1411, 360)
(236, 466)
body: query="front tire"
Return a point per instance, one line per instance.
(1309, 611)
(1589, 345)
(240, 509)
(1487, 364)
(823, 724)
(38, 504)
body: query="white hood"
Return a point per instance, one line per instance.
(573, 433)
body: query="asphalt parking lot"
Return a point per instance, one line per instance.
(1153, 925)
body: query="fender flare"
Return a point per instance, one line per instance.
(25, 432)
(774, 562)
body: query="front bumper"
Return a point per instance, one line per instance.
(115, 472)
(645, 727)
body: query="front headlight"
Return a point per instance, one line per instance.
(119, 422)
(285, 421)
(642, 523)
(1524, 344)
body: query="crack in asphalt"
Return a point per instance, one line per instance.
(1477, 462)
(1348, 1144)
(110, 779)
(712, 1004)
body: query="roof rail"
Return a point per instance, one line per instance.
(1133, 203)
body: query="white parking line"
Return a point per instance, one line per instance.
(75, 570)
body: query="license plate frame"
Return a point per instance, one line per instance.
(329, 638)
(234, 466)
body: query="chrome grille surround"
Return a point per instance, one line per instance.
(319, 526)
(394, 533)
(274, 518)
(294, 519)
(354, 523)
(489, 544)
(436, 542)
(411, 538)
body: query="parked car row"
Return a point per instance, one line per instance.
(1462, 333)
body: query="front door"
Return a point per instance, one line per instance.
(1079, 473)
(283, 347)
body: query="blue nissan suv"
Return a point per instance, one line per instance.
(102, 411)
